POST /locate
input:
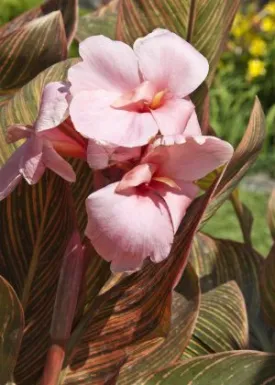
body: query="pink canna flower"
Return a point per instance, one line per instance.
(138, 217)
(126, 96)
(44, 143)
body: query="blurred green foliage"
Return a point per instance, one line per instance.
(247, 69)
(9, 9)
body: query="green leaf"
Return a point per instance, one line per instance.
(68, 9)
(222, 324)
(205, 24)
(101, 22)
(132, 318)
(245, 155)
(11, 330)
(185, 308)
(47, 39)
(268, 287)
(231, 368)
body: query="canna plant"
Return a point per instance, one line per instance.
(109, 170)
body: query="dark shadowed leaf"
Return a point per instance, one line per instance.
(268, 287)
(185, 308)
(11, 330)
(47, 39)
(204, 23)
(231, 368)
(222, 324)
(132, 318)
(100, 22)
(245, 155)
(68, 9)
(218, 261)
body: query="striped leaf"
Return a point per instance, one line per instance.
(68, 8)
(222, 324)
(132, 318)
(231, 368)
(218, 261)
(245, 155)
(185, 308)
(271, 214)
(204, 23)
(47, 39)
(11, 330)
(100, 22)
(268, 287)
(35, 224)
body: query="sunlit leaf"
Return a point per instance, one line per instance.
(11, 330)
(222, 324)
(231, 368)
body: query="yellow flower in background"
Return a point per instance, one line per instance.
(256, 68)
(270, 8)
(240, 26)
(268, 24)
(258, 47)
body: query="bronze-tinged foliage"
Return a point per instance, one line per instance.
(218, 261)
(241, 367)
(68, 9)
(184, 312)
(204, 23)
(47, 39)
(222, 324)
(35, 224)
(11, 330)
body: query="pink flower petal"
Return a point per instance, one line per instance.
(126, 229)
(170, 62)
(193, 127)
(173, 116)
(31, 166)
(53, 108)
(177, 201)
(140, 174)
(94, 118)
(190, 158)
(57, 164)
(101, 154)
(107, 65)
(10, 175)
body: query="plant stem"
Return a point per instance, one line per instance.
(191, 21)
